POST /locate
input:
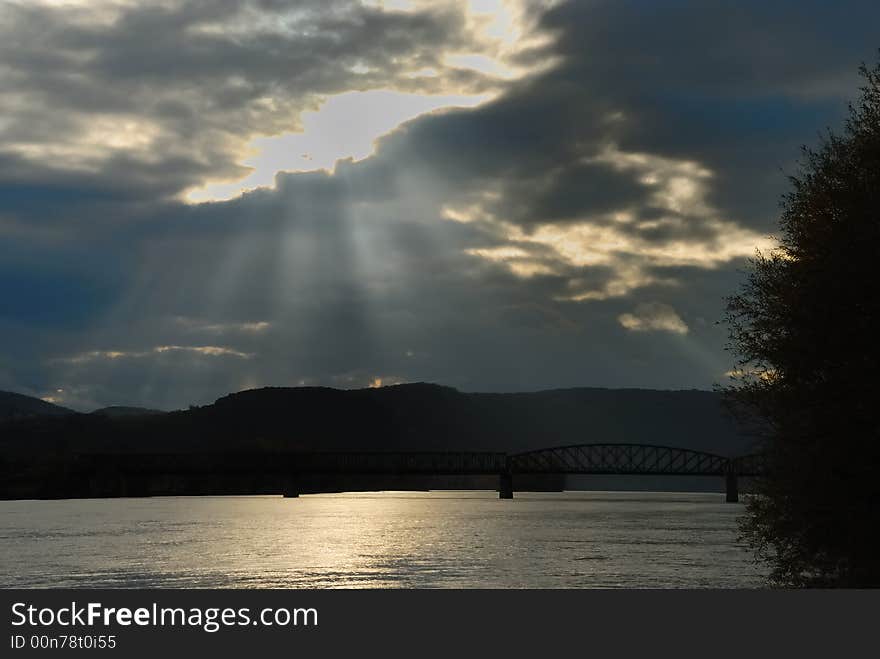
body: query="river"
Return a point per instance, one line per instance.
(378, 540)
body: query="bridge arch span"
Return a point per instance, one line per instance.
(619, 459)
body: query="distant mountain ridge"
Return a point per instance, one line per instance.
(115, 411)
(19, 406)
(425, 416)
(409, 417)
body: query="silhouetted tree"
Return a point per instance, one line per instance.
(806, 329)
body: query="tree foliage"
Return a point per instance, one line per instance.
(806, 329)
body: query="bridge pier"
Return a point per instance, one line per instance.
(291, 488)
(732, 487)
(505, 486)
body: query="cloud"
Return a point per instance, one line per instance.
(330, 133)
(522, 243)
(198, 326)
(206, 351)
(653, 317)
(168, 96)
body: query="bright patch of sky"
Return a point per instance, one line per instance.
(346, 126)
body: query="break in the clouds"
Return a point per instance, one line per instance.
(653, 316)
(202, 196)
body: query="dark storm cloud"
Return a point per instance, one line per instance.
(582, 229)
(736, 86)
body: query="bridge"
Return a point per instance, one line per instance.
(578, 459)
(296, 473)
(632, 459)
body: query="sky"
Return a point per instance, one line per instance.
(204, 196)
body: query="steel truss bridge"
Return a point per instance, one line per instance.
(586, 459)
(635, 459)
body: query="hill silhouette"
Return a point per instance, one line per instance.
(432, 417)
(123, 410)
(409, 417)
(19, 406)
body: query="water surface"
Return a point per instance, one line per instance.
(378, 540)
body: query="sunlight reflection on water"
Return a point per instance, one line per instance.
(378, 540)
